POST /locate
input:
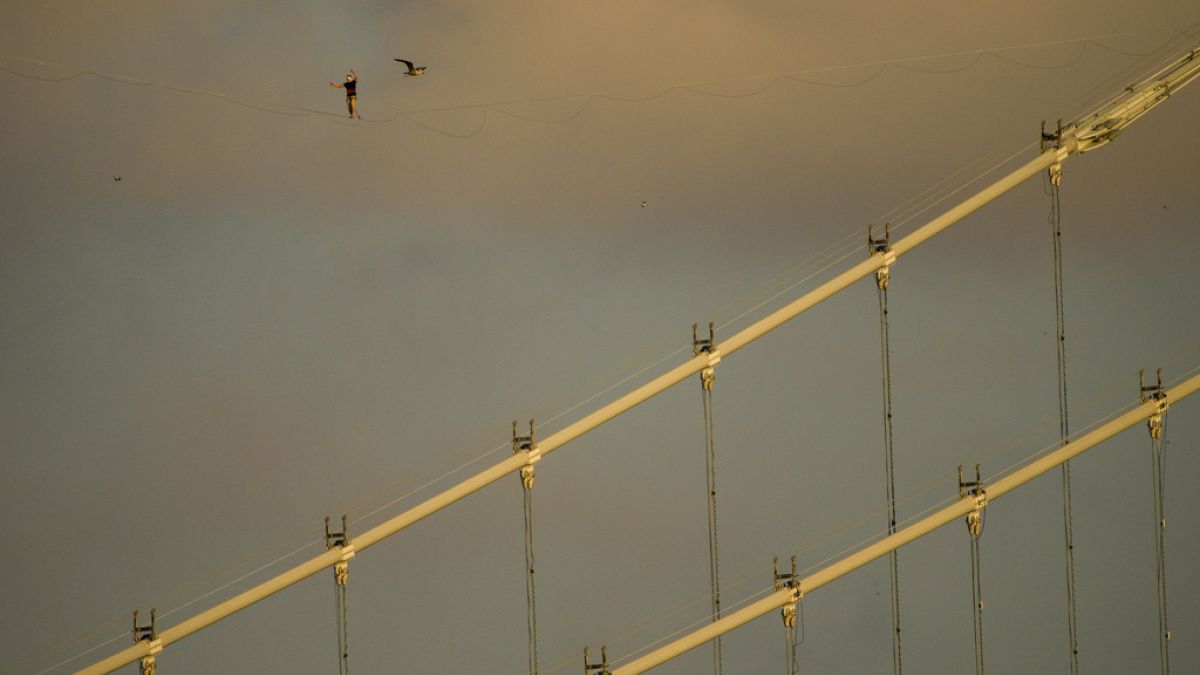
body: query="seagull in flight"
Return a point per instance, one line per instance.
(412, 70)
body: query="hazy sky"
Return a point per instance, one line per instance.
(275, 316)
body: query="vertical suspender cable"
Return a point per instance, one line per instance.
(1158, 466)
(528, 446)
(707, 380)
(1064, 419)
(883, 278)
(343, 630)
(530, 589)
(977, 599)
(714, 567)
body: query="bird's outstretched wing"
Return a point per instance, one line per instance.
(407, 63)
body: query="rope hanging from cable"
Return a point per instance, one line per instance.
(1055, 175)
(882, 247)
(707, 380)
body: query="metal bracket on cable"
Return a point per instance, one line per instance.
(528, 445)
(975, 489)
(1156, 393)
(1053, 141)
(883, 247)
(789, 581)
(598, 668)
(340, 540)
(706, 346)
(148, 634)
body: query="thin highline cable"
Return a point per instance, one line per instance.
(64, 662)
(410, 485)
(662, 616)
(298, 111)
(58, 648)
(695, 624)
(1137, 71)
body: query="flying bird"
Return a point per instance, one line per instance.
(412, 70)
(117, 178)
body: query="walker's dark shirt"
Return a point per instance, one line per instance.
(350, 85)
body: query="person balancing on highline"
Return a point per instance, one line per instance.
(351, 87)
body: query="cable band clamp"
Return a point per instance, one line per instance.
(791, 582)
(340, 541)
(528, 445)
(1156, 393)
(882, 247)
(706, 346)
(975, 490)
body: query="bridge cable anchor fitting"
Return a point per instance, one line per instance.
(528, 445)
(883, 247)
(973, 489)
(149, 634)
(598, 668)
(790, 581)
(1156, 393)
(1053, 141)
(340, 540)
(706, 346)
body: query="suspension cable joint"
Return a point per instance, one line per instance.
(791, 582)
(975, 490)
(528, 445)
(341, 541)
(148, 633)
(1156, 393)
(706, 346)
(882, 247)
(1053, 141)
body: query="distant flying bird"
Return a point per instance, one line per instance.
(412, 70)
(117, 178)
(643, 204)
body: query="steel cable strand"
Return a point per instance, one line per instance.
(714, 570)
(1160, 526)
(1064, 423)
(530, 587)
(890, 478)
(977, 599)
